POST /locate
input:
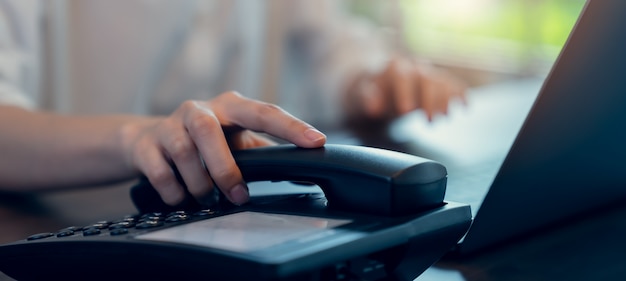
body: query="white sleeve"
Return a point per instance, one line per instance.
(19, 56)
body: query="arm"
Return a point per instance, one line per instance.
(44, 150)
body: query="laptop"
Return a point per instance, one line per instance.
(550, 149)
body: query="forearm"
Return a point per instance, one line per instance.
(45, 150)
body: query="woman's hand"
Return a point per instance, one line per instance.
(403, 86)
(197, 139)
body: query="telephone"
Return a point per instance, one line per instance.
(381, 216)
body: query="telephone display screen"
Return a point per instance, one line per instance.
(246, 231)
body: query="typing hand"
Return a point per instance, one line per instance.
(403, 86)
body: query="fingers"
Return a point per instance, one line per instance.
(205, 130)
(149, 159)
(433, 102)
(185, 141)
(183, 152)
(413, 86)
(248, 139)
(234, 109)
(193, 140)
(438, 89)
(404, 87)
(371, 98)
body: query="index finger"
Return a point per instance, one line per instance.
(405, 91)
(234, 109)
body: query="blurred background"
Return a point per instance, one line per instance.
(503, 50)
(483, 41)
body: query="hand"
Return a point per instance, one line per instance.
(197, 139)
(403, 86)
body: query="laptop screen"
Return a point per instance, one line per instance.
(568, 156)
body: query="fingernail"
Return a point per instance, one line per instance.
(314, 135)
(239, 194)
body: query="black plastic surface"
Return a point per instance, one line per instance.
(370, 248)
(353, 178)
(394, 226)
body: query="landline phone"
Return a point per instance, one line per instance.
(381, 216)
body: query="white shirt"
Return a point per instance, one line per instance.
(147, 56)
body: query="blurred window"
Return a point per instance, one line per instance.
(493, 37)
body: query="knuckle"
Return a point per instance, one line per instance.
(160, 176)
(203, 124)
(189, 105)
(229, 95)
(268, 110)
(270, 107)
(181, 147)
(232, 94)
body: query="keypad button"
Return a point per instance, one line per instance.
(122, 224)
(39, 236)
(133, 220)
(149, 224)
(177, 218)
(72, 228)
(99, 225)
(204, 213)
(65, 233)
(128, 218)
(118, 231)
(91, 231)
(177, 213)
(151, 216)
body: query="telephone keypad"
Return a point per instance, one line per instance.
(126, 224)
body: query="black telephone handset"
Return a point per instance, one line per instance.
(353, 178)
(381, 217)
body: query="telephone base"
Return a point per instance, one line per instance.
(357, 247)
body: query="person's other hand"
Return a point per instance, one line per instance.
(197, 139)
(403, 86)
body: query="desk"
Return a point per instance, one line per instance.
(590, 248)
